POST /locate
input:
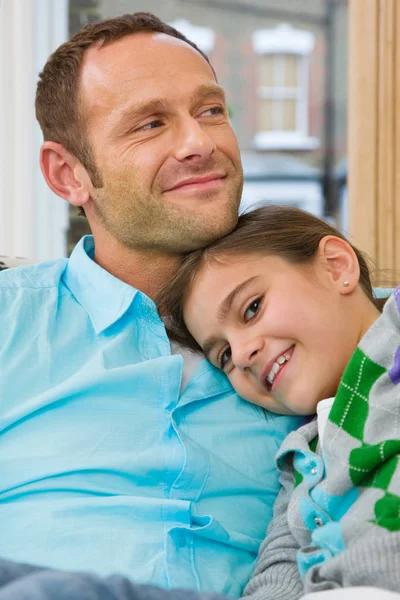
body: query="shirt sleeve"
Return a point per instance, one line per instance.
(276, 575)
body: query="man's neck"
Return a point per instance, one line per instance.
(146, 270)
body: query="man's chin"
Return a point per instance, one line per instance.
(212, 235)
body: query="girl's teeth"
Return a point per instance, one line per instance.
(276, 366)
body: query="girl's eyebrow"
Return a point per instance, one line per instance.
(226, 304)
(225, 307)
(208, 346)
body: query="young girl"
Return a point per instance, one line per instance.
(284, 306)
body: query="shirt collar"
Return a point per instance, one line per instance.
(104, 297)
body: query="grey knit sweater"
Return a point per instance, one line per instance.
(337, 519)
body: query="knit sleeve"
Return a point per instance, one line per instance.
(276, 576)
(372, 559)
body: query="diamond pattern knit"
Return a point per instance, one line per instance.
(337, 519)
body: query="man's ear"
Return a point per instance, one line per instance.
(65, 174)
(340, 263)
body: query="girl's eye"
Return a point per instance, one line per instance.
(252, 309)
(225, 357)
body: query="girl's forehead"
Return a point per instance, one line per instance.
(218, 275)
(220, 272)
(227, 261)
(215, 267)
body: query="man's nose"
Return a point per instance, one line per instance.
(245, 354)
(193, 142)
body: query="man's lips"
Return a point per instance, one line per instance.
(204, 180)
(264, 375)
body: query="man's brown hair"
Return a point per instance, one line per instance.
(58, 107)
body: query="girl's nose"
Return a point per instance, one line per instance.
(245, 354)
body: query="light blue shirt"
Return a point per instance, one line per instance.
(104, 466)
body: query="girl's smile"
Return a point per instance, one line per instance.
(272, 372)
(283, 333)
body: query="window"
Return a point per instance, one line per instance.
(283, 63)
(203, 37)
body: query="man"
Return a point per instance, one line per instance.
(117, 456)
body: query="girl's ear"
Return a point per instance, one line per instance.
(340, 263)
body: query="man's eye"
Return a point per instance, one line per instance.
(224, 358)
(252, 309)
(152, 125)
(214, 110)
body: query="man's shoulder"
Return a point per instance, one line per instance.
(33, 276)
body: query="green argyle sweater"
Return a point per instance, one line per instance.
(337, 518)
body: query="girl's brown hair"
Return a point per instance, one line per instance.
(292, 234)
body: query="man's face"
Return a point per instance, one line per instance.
(162, 142)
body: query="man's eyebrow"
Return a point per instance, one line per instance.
(147, 108)
(158, 105)
(208, 89)
(225, 307)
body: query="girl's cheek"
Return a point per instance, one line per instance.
(234, 382)
(241, 386)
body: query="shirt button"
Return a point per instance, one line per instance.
(314, 471)
(318, 521)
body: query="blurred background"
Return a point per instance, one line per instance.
(283, 64)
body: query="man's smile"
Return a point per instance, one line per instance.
(207, 182)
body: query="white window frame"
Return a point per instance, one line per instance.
(285, 40)
(203, 37)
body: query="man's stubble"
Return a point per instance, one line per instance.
(148, 222)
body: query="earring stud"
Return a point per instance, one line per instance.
(346, 283)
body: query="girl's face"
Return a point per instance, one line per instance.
(282, 333)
